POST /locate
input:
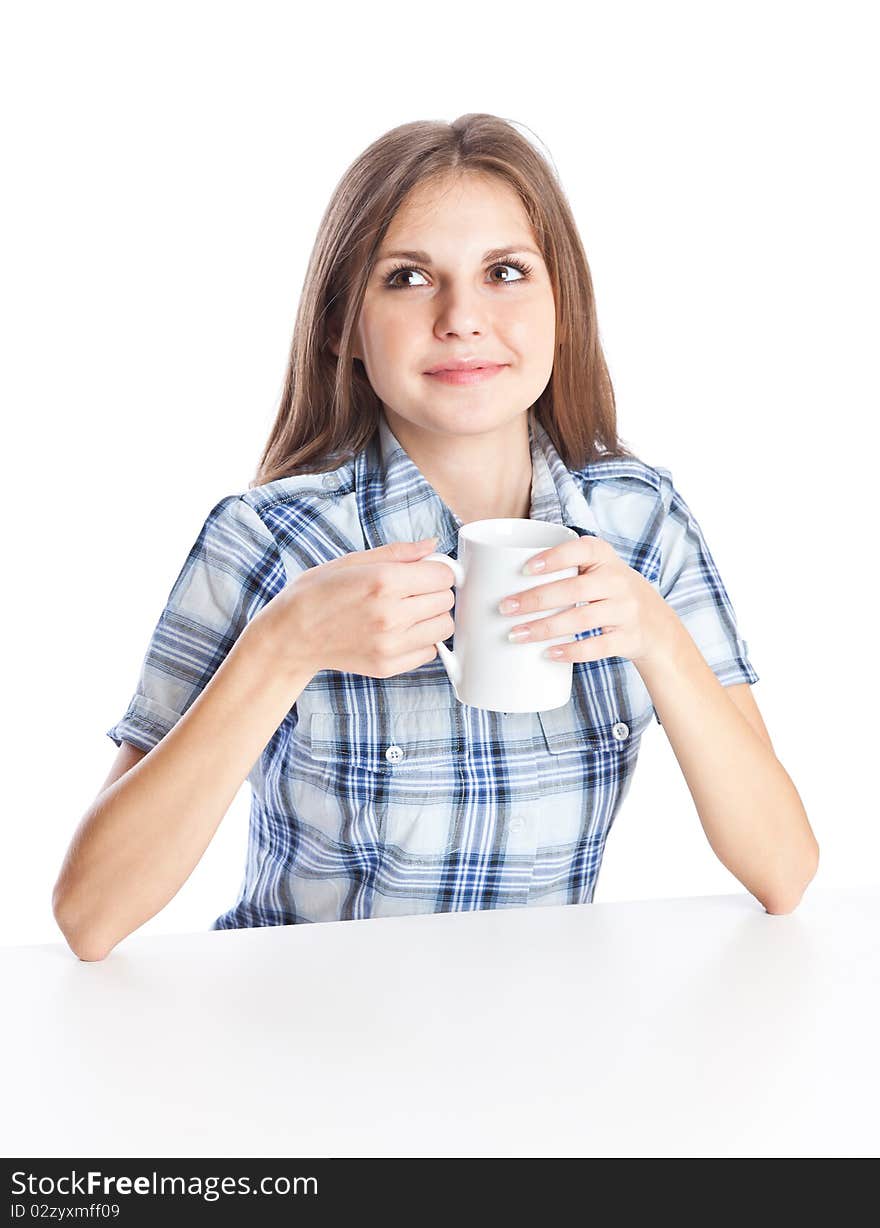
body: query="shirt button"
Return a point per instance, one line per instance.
(394, 754)
(331, 481)
(620, 731)
(517, 824)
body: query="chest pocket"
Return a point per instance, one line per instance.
(395, 774)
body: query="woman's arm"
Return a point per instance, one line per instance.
(145, 833)
(748, 805)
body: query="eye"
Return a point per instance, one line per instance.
(399, 268)
(523, 269)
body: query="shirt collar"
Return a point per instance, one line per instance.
(396, 502)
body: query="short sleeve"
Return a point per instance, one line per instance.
(690, 581)
(232, 570)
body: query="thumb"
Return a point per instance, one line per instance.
(398, 552)
(404, 551)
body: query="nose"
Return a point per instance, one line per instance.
(461, 311)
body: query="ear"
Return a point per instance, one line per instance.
(333, 345)
(334, 337)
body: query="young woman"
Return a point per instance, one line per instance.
(445, 368)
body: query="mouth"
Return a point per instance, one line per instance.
(467, 375)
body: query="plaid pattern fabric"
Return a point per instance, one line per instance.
(380, 797)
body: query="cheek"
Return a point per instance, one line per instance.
(378, 338)
(389, 330)
(531, 328)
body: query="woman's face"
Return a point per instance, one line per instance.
(454, 302)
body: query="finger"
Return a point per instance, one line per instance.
(595, 648)
(417, 608)
(570, 622)
(588, 587)
(429, 576)
(414, 580)
(391, 552)
(428, 631)
(577, 552)
(413, 660)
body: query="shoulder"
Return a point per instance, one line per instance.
(274, 502)
(628, 496)
(634, 483)
(301, 488)
(312, 517)
(626, 473)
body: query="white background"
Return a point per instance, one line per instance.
(166, 167)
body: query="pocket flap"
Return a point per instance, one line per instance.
(394, 742)
(564, 733)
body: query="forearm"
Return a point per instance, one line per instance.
(747, 803)
(145, 834)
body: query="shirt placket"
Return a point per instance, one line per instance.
(521, 816)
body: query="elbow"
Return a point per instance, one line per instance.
(87, 950)
(83, 944)
(782, 905)
(786, 901)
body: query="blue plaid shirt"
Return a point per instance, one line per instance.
(379, 797)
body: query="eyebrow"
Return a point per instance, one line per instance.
(493, 254)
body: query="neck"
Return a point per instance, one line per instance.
(480, 477)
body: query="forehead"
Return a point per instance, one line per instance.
(469, 206)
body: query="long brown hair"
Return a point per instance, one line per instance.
(328, 409)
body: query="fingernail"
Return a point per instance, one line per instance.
(534, 565)
(517, 637)
(509, 605)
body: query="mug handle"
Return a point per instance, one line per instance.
(447, 656)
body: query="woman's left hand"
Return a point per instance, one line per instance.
(636, 621)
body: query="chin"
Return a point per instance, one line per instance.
(476, 419)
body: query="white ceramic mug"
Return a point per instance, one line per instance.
(485, 668)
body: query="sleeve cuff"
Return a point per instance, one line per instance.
(728, 672)
(144, 724)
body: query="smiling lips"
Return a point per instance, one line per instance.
(466, 375)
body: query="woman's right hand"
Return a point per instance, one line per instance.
(374, 612)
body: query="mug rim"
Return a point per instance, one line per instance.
(563, 529)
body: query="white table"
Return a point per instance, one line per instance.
(687, 1027)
